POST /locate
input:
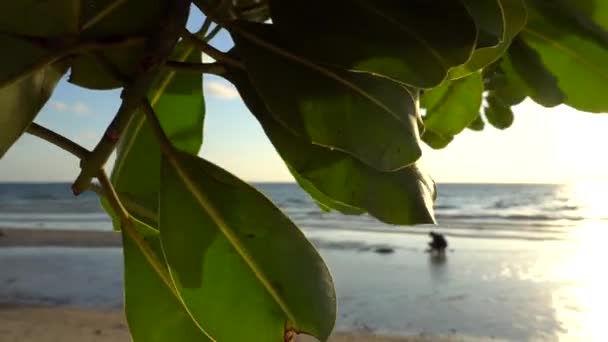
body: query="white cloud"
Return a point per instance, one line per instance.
(79, 108)
(59, 106)
(221, 90)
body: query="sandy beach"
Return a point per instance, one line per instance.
(67, 286)
(22, 322)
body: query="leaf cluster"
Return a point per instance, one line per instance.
(346, 91)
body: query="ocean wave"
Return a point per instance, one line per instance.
(512, 217)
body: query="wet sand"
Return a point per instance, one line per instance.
(10, 237)
(55, 324)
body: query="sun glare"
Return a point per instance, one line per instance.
(581, 303)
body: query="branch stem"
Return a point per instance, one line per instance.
(58, 140)
(128, 227)
(211, 51)
(207, 68)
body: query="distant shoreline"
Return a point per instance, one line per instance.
(15, 237)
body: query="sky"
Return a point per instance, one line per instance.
(558, 145)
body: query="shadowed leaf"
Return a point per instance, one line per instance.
(498, 113)
(153, 312)
(515, 19)
(542, 85)
(414, 42)
(20, 102)
(341, 182)
(368, 117)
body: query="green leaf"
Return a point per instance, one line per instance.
(339, 181)
(369, 117)
(153, 312)
(235, 257)
(515, 14)
(578, 62)
(498, 113)
(451, 107)
(178, 101)
(20, 102)
(478, 124)
(435, 140)
(413, 42)
(489, 19)
(542, 85)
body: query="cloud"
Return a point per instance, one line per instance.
(78, 108)
(59, 106)
(221, 90)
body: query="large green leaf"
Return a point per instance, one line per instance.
(451, 107)
(153, 312)
(489, 19)
(178, 101)
(39, 18)
(20, 102)
(414, 42)
(339, 181)
(577, 59)
(235, 257)
(369, 117)
(541, 85)
(515, 15)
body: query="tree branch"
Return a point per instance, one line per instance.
(158, 49)
(58, 140)
(211, 51)
(213, 33)
(207, 68)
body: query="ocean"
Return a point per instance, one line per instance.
(525, 262)
(516, 211)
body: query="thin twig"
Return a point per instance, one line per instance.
(112, 196)
(58, 140)
(207, 68)
(132, 206)
(211, 51)
(128, 228)
(213, 33)
(204, 28)
(102, 14)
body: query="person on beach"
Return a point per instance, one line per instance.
(438, 244)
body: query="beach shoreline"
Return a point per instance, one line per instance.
(475, 293)
(35, 237)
